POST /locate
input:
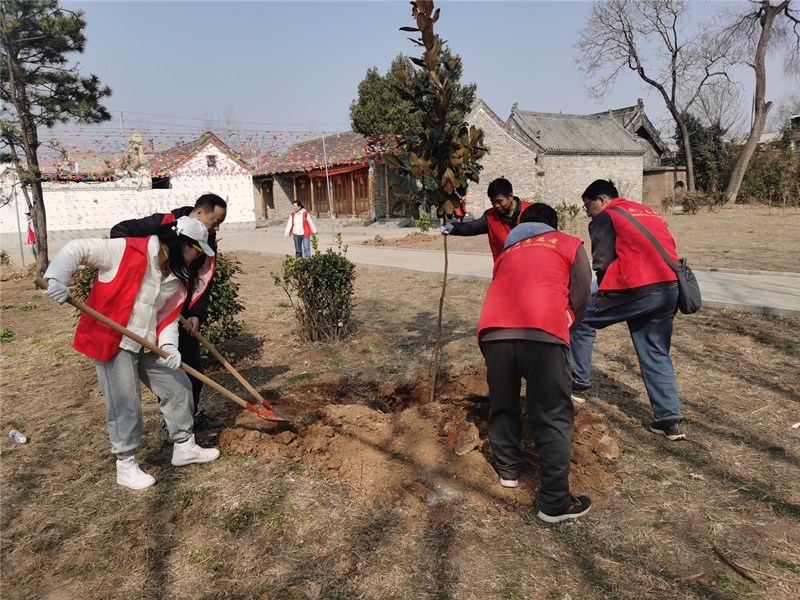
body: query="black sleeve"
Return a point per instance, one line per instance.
(138, 227)
(604, 244)
(476, 227)
(580, 282)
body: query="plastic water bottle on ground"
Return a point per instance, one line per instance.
(18, 436)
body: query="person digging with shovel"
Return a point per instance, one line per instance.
(142, 283)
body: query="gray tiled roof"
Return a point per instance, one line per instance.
(634, 119)
(556, 133)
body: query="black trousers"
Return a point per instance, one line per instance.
(189, 347)
(546, 370)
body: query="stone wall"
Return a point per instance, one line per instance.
(567, 176)
(508, 158)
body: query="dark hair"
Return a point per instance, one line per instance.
(175, 244)
(500, 187)
(209, 202)
(300, 204)
(540, 213)
(600, 187)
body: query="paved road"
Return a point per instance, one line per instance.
(751, 291)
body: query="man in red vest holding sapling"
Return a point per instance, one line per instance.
(538, 294)
(496, 221)
(635, 286)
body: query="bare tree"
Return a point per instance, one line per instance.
(718, 105)
(765, 28)
(649, 37)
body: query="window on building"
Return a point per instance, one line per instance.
(161, 183)
(211, 161)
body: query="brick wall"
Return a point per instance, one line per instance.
(566, 177)
(508, 158)
(660, 183)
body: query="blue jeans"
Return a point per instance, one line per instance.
(302, 246)
(649, 321)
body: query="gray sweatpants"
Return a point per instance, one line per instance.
(119, 380)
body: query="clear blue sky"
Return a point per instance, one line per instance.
(295, 66)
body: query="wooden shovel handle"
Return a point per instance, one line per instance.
(155, 349)
(231, 369)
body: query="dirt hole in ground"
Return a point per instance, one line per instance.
(389, 445)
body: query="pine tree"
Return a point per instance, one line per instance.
(39, 88)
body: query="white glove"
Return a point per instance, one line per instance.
(173, 361)
(446, 229)
(56, 291)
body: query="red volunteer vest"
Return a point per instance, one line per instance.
(638, 263)
(31, 233)
(530, 286)
(498, 230)
(306, 227)
(115, 300)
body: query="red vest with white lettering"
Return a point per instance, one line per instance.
(530, 286)
(115, 299)
(498, 230)
(638, 263)
(306, 227)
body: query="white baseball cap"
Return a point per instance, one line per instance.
(195, 230)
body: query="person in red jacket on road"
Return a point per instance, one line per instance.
(635, 286)
(538, 295)
(301, 227)
(496, 221)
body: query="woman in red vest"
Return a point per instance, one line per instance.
(142, 285)
(300, 227)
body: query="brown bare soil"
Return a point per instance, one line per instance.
(753, 237)
(373, 493)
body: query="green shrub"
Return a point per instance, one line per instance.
(323, 284)
(5, 259)
(424, 221)
(223, 305)
(567, 215)
(692, 201)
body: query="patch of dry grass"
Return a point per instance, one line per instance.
(677, 521)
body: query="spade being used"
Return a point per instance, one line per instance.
(267, 412)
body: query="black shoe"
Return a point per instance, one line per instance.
(202, 421)
(577, 507)
(669, 429)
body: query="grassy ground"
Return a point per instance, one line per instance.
(367, 496)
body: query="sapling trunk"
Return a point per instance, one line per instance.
(438, 342)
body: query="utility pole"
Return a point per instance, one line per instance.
(122, 126)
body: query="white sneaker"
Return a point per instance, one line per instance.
(187, 453)
(509, 483)
(131, 476)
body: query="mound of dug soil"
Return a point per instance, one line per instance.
(423, 455)
(415, 238)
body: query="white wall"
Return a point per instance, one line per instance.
(82, 209)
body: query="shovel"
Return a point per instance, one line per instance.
(207, 345)
(269, 415)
